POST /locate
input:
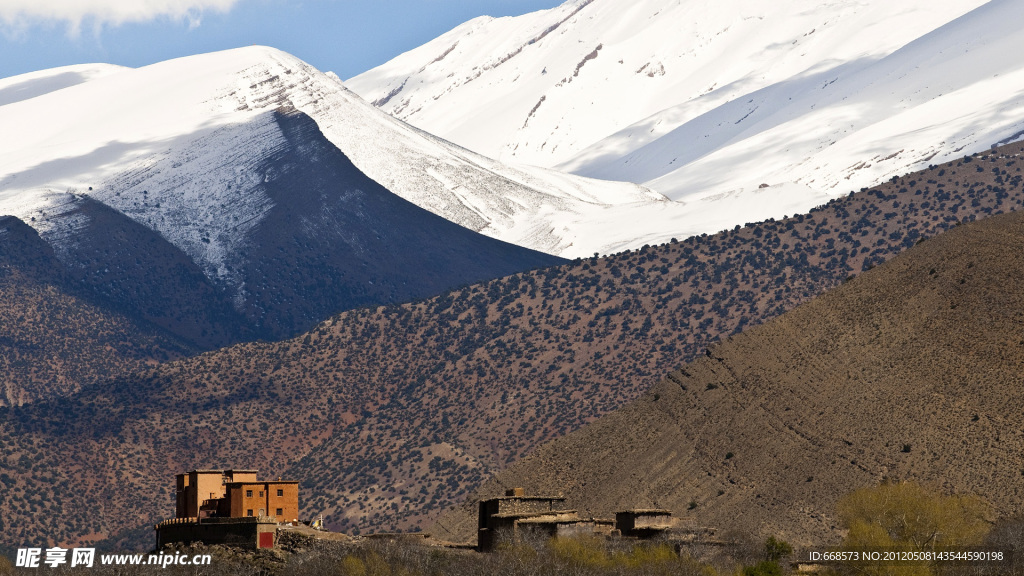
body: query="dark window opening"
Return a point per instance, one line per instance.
(280, 492)
(248, 512)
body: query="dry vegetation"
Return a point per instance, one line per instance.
(53, 338)
(911, 371)
(902, 517)
(388, 415)
(530, 556)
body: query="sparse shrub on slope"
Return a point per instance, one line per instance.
(389, 415)
(909, 372)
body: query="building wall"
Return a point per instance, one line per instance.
(257, 503)
(528, 505)
(229, 488)
(488, 526)
(181, 496)
(265, 497)
(195, 487)
(240, 475)
(234, 498)
(515, 505)
(642, 524)
(288, 502)
(206, 485)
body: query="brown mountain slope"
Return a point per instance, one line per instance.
(53, 340)
(388, 415)
(915, 370)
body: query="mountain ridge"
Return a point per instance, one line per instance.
(212, 197)
(137, 130)
(328, 239)
(388, 415)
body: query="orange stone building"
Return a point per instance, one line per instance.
(235, 494)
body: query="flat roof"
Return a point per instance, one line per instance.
(549, 498)
(255, 482)
(555, 520)
(220, 471)
(647, 511)
(533, 514)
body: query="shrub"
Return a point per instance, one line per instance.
(907, 516)
(765, 568)
(775, 550)
(911, 515)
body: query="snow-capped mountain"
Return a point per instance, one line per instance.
(703, 100)
(219, 173)
(136, 130)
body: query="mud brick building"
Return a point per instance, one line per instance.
(229, 507)
(235, 494)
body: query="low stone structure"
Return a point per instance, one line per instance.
(644, 523)
(516, 512)
(241, 532)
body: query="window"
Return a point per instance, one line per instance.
(280, 512)
(248, 494)
(280, 492)
(261, 493)
(248, 512)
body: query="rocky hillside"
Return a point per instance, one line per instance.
(388, 415)
(911, 371)
(54, 336)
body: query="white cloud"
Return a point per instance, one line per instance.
(19, 13)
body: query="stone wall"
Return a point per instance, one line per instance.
(242, 532)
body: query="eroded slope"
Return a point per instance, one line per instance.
(911, 371)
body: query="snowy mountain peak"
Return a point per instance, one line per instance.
(697, 99)
(175, 146)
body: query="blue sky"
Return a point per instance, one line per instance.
(343, 36)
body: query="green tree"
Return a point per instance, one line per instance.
(775, 550)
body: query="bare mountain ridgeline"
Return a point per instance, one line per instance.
(54, 334)
(388, 415)
(911, 372)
